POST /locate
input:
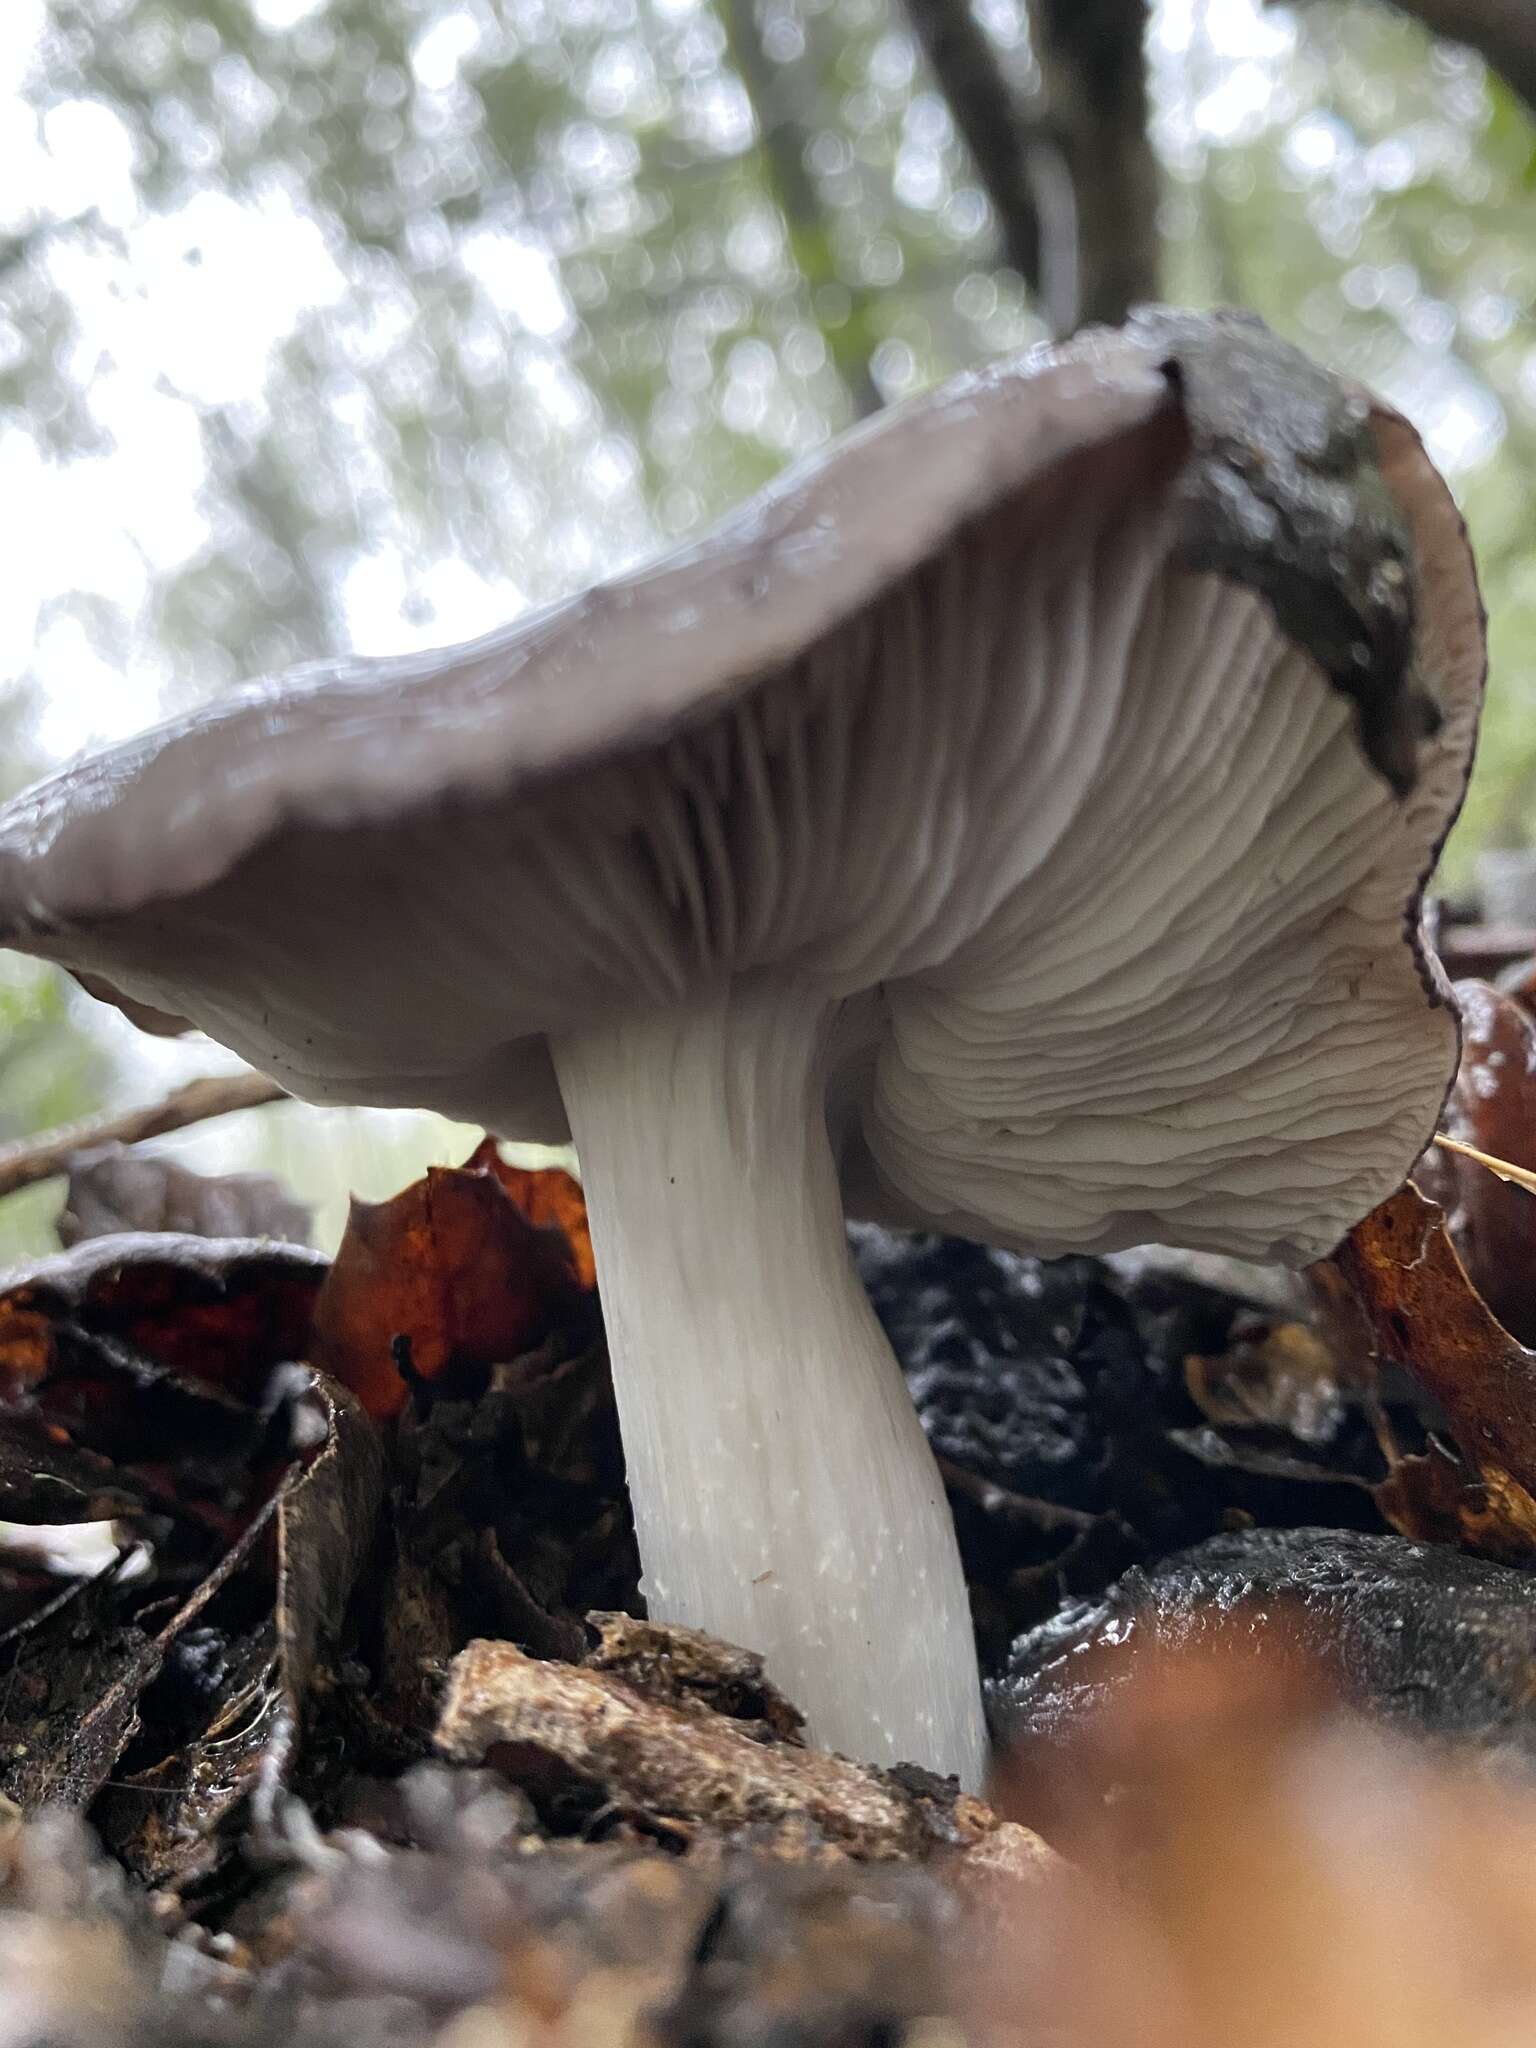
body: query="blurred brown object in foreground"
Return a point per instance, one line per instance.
(1492, 1105)
(1256, 1869)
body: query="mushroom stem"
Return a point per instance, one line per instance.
(785, 1496)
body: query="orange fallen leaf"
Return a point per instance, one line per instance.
(1432, 1497)
(546, 1196)
(455, 1270)
(1424, 1313)
(1492, 1109)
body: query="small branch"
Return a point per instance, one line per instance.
(33, 1159)
(1517, 1176)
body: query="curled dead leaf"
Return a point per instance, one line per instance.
(1425, 1315)
(176, 1787)
(135, 1375)
(453, 1272)
(1491, 1107)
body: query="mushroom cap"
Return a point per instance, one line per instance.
(1078, 737)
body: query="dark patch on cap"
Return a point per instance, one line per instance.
(1283, 493)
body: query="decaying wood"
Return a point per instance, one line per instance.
(686, 1668)
(691, 1766)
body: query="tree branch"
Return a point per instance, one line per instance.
(39, 1158)
(785, 142)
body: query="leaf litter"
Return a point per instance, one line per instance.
(329, 1710)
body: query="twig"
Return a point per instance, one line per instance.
(1517, 1176)
(33, 1159)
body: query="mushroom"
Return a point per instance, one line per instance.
(1013, 822)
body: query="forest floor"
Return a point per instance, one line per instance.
(354, 1730)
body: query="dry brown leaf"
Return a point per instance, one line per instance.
(1277, 1375)
(1433, 1497)
(548, 1196)
(453, 1271)
(1492, 1107)
(169, 1800)
(1426, 1316)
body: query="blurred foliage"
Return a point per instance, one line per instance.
(46, 1069)
(49, 1072)
(542, 308)
(371, 322)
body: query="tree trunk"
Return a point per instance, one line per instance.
(989, 121)
(785, 140)
(1095, 87)
(1070, 173)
